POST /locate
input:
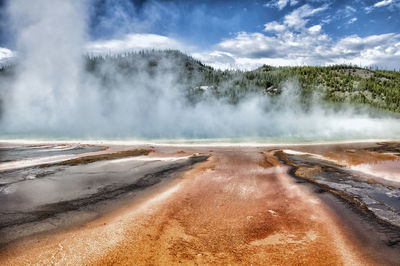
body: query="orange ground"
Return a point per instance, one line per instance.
(236, 208)
(346, 154)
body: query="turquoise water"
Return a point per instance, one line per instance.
(195, 141)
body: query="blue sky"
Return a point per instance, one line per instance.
(246, 34)
(208, 22)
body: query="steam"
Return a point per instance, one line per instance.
(50, 37)
(52, 95)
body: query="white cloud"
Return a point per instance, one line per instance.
(315, 29)
(292, 42)
(252, 45)
(391, 4)
(308, 47)
(5, 54)
(217, 59)
(339, 15)
(274, 26)
(348, 11)
(351, 21)
(297, 18)
(134, 42)
(284, 44)
(249, 50)
(383, 3)
(281, 4)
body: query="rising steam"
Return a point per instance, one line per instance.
(47, 86)
(52, 95)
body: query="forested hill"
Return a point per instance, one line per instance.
(334, 84)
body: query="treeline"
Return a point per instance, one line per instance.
(336, 84)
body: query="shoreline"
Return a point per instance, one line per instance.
(194, 143)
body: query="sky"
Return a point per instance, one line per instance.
(234, 34)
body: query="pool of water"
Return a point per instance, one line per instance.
(389, 170)
(8, 154)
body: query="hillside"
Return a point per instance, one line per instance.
(334, 84)
(340, 83)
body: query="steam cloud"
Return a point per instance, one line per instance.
(47, 87)
(53, 96)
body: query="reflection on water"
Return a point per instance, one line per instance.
(39, 151)
(389, 169)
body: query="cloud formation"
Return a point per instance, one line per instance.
(249, 50)
(352, 20)
(298, 38)
(5, 55)
(134, 42)
(281, 4)
(297, 19)
(392, 4)
(383, 3)
(293, 42)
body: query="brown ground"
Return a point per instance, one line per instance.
(348, 154)
(236, 208)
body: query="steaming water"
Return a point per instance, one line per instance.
(190, 142)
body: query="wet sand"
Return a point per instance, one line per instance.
(238, 207)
